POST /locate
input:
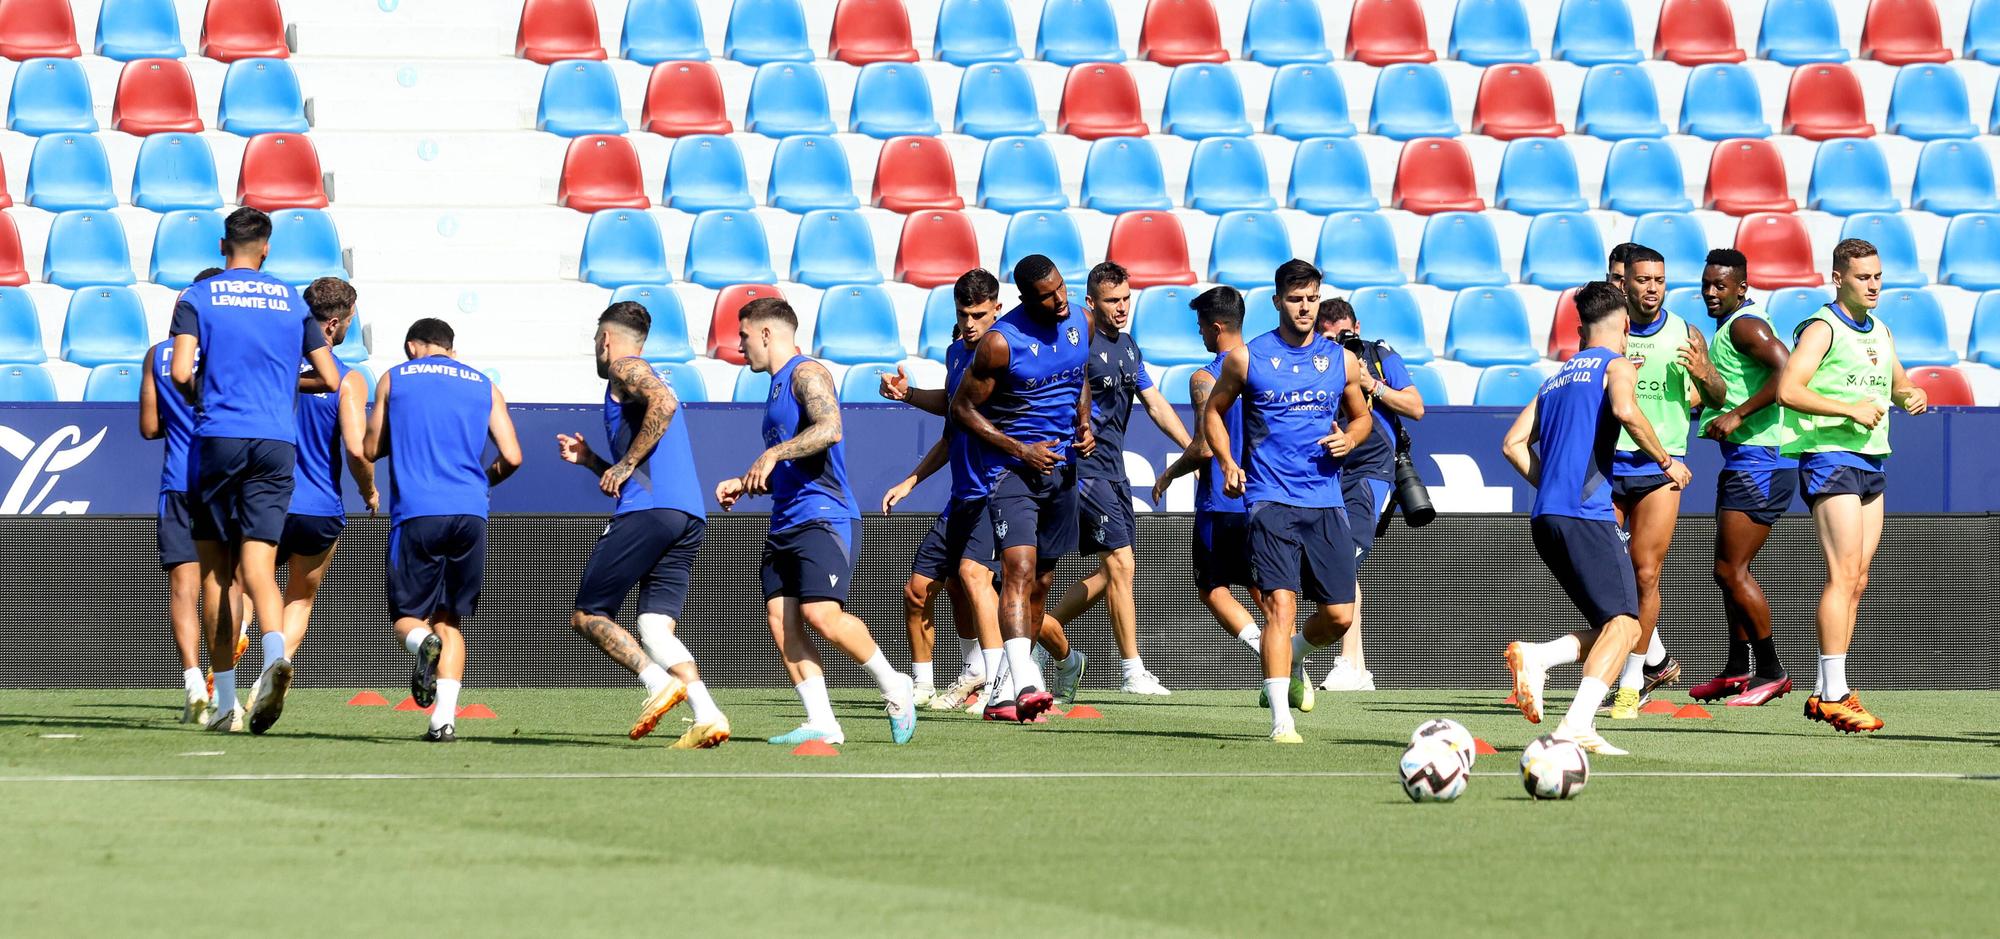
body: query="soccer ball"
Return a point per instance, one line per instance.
(1432, 772)
(1448, 732)
(1552, 768)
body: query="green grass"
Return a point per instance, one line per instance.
(1227, 854)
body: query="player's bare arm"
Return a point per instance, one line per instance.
(1793, 390)
(324, 368)
(500, 427)
(896, 387)
(186, 347)
(1215, 418)
(1402, 402)
(989, 362)
(353, 418)
(150, 425)
(1752, 336)
(1086, 439)
(1164, 417)
(1906, 394)
(1195, 455)
(1707, 381)
(934, 460)
(1519, 444)
(1354, 404)
(375, 445)
(812, 387)
(1621, 379)
(573, 448)
(632, 380)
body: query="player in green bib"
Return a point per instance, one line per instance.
(1836, 391)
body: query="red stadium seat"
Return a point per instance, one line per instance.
(1386, 32)
(155, 96)
(243, 29)
(554, 30)
(1943, 385)
(1902, 32)
(1100, 100)
(280, 171)
(1176, 32)
(1746, 176)
(936, 247)
(601, 171)
(1696, 32)
(13, 270)
(1825, 102)
(1152, 248)
(34, 28)
(1515, 101)
(914, 174)
(723, 343)
(1566, 333)
(5, 199)
(685, 98)
(867, 31)
(1780, 251)
(1433, 175)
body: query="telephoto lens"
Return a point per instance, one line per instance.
(1411, 495)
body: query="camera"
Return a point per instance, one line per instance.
(1411, 495)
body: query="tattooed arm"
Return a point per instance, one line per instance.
(632, 380)
(812, 385)
(1195, 455)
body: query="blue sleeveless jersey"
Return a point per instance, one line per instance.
(1117, 375)
(811, 488)
(1208, 494)
(1578, 434)
(966, 480)
(438, 413)
(1292, 395)
(666, 478)
(1035, 401)
(252, 329)
(176, 419)
(316, 473)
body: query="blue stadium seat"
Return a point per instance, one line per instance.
(940, 319)
(1721, 102)
(104, 324)
(1789, 306)
(1642, 176)
(623, 246)
(1411, 100)
(1227, 174)
(1537, 175)
(139, 29)
(185, 244)
(1851, 175)
(1929, 103)
(1595, 32)
(686, 381)
(262, 96)
(1800, 32)
(1971, 254)
(1246, 248)
(1993, 120)
(1491, 32)
(1564, 250)
(1489, 326)
(658, 31)
(1358, 249)
(1053, 234)
(1982, 32)
(20, 327)
(1123, 174)
(861, 383)
(973, 31)
(1164, 326)
(114, 382)
(1686, 303)
(1619, 102)
(50, 96)
(580, 97)
(1260, 314)
(1459, 250)
(1984, 344)
(857, 323)
(1307, 101)
(1204, 100)
(833, 247)
(1890, 233)
(1954, 177)
(26, 382)
(893, 99)
(1284, 32)
(70, 171)
(728, 247)
(751, 387)
(766, 31)
(1173, 383)
(787, 98)
(704, 172)
(1330, 174)
(1077, 31)
(304, 246)
(1391, 314)
(87, 248)
(1019, 174)
(1679, 237)
(808, 172)
(1918, 323)
(1426, 381)
(667, 340)
(175, 171)
(996, 99)
(1508, 386)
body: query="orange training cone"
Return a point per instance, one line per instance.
(1695, 711)
(368, 699)
(1083, 712)
(1659, 706)
(1481, 748)
(475, 711)
(410, 704)
(815, 748)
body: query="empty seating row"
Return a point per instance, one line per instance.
(174, 171)
(102, 325)
(88, 247)
(143, 29)
(259, 96)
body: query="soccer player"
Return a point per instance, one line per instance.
(1563, 444)
(1836, 390)
(815, 526)
(655, 532)
(1757, 483)
(250, 330)
(1292, 381)
(1025, 402)
(433, 417)
(1614, 264)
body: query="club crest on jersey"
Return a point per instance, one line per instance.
(1074, 336)
(1320, 362)
(1637, 358)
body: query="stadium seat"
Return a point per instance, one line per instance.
(685, 380)
(1642, 176)
(1179, 32)
(1851, 176)
(857, 323)
(833, 247)
(934, 337)
(1074, 32)
(1307, 101)
(810, 172)
(1824, 102)
(1173, 383)
(1227, 174)
(175, 171)
(1019, 174)
(1285, 32)
(727, 247)
(1435, 175)
(1330, 174)
(1051, 234)
(1429, 385)
(705, 172)
(1164, 326)
(1619, 103)
(1746, 176)
(1800, 32)
(1993, 120)
(1779, 249)
(1151, 247)
(1790, 306)
(684, 98)
(20, 327)
(1721, 102)
(1917, 322)
(751, 387)
(1696, 32)
(1246, 248)
(996, 99)
(138, 29)
(1595, 32)
(1970, 257)
(1515, 101)
(1489, 326)
(1204, 101)
(1565, 331)
(973, 31)
(1100, 100)
(262, 96)
(892, 99)
(580, 97)
(667, 340)
(1460, 250)
(623, 246)
(935, 248)
(104, 324)
(1411, 101)
(1358, 249)
(1982, 32)
(304, 247)
(5, 199)
(600, 172)
(13, 269)
(1903, 32)
(50, 96)
(787, 98)
(1984, 344)
(723, 341)
(1890, 233)
(1508, 386)
(1563, 250)
(155, 96)
(26, 382)
(1388, 32)
(185, 244)
(913, 174)
(1538, 175)
(280, 171)
(657, 31)
(1686, 303)
(69, 171)
(1954, 177)
(870, 31)
(551, 31)
(1491, 32)
(35, 28)
(1123, 174)
(862, 381)
(1929, 103)
(1943, 386)
(762, 32)
(1391, 314)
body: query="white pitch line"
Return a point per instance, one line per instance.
(904, 777)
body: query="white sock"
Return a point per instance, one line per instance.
(191, 677)
(1634, 675)
(975, 663)
(819, 708)
(654, 678)
(885, 675)
(274, 647)
(446, 711)
(1563, 650)
(702, 702)
(1833, 677)
(1582, 713)
(1021, 661)
(1656, 651)
(922, 672)
(1132, 667)
(1253, 637)
(1276, 690)
(415, 640)
(656, 636)
(225, 690)
(1301, 650)
(990, 667)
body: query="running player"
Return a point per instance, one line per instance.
(815, 526)
(1836, 390)
(433, 417)
(655, 531)
(1757, 483)
(1563, 445)
(1292, 381)
(250, 330)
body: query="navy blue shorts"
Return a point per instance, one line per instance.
(1304, 550)
(1633, 488)
(309, 535)
(1761, 494)
(653, 549)
(242, 488)
(813, 561)
(1367, 499)
(1823, 477)
(1029, 508)
(175, 530)
(1105, 522)
(436, 565)
(963, 531)
(1589, 559)
(1221, 550)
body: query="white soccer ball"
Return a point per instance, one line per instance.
(1432, 772)
(1552, 768)
(1448, 732)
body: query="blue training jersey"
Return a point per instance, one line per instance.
(810, 488)
(1035, 401)
(1376, 457)
(1578, 433)
(966, 481)
(1117, 373)
(665, 479)
(176, 421)
(1208, 494)
(252, 329)
(316, 474)
(439, 409)
(1292, 394)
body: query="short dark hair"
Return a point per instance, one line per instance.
(1032, 269)
(628, 314)
(768, 308)
(1596, 301)
(329, 297)
(1222, 306)
(1850, 248)
(432, 331)
(1620, 253)
(1294, 274)
(975, 287)
(206, 273)
(1107, 274)
(1640, 254)
(1335, 309)
(1729, 259)
(246, 226)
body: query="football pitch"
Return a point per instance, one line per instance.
(1166, 817)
